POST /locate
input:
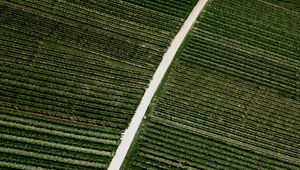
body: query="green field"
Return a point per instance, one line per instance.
(231, 99)
(73, 73)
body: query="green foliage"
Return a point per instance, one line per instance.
(230, 98)
(72, 75)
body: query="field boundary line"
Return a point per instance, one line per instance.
(158, 76)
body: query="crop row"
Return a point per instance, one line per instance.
(291, 7)
(275, 53)
(243, 57)
(19, 46)
(45, 160)
(232, 87)
(256, 77)
(62, 110)
(26, 72)
(15, 43)
(231, 98)
(109, 24)
(91, 74)
(262, 38)
(58, 25)
(242, 91)
(238, 120)
(224, 127)
(238, 112)
(228, 58)
(262, 75)
(261, 15)
(30, 139)
(132, 12)
(250, 38)
(194, 140)
(34, 120)
(73, 72)
(168, 142)
(67, 98)
(58, 79)
(223, 124)
(92, 89)
(178, 8)
(79, 39)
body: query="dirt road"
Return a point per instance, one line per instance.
(158, 76)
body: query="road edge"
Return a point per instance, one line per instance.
(158, 76)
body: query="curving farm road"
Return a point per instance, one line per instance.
(158, 76)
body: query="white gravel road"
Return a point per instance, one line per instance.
(129, 133)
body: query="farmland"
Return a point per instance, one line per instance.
(73, 73)
(231, 99)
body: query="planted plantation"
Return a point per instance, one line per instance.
(73, 73)
(231, 98)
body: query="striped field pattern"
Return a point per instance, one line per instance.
(232, 97)
(72, 74)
